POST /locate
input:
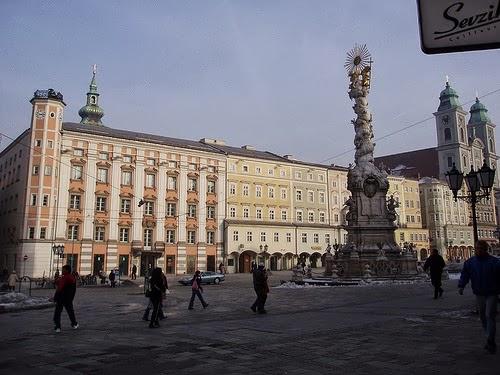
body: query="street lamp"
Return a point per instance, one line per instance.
(59, 251)
(477, 181)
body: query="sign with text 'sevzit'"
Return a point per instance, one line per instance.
(458, 25)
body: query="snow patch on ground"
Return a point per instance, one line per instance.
(291, 285)
(454, 276)
(19, 301)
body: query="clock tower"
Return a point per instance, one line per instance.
(452, 133)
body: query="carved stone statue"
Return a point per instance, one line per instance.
(352, 213)
(328, 261)
(392, 204)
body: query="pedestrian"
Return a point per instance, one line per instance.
(435, 263)
(56, 274)
(63, 297)
(221, 268)
(483, 270)
(253, 267)
(261, 289)
(112, 278)
(13, 279)
(196, 290)
(157, 289)
(134, 272)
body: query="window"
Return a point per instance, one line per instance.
(172, 164)
(288, 237)
(170, 236)
(283, 193)
(235, 235)
(210, 238)
(38, 143)
(249, 236)
(36, 170)
(126, 178)
(298, 216)
(298, 175)
(322, 197)
(258, 170)
(232, 211)
(232, 167)
(310, 216)
(210, 212)
(124, 234)
(43, 232)
(270, 192)
(304, 237)
(125, 206)
(258, 213)
(149, 208)
(246, 212)
(327, 238)
(211, 186)
(245, 168)
(271, 214)
(102, 175)
(270, 172)
(100, 204)
(150, 180)
(447, 134)
(148, 238)
(298, 195)
(127, 159)
(321, 177)
(45, 201)
(310, 176)
(450, 161)
(74, 202)
(76, 172)
(48, 170)
(262, 236)
(282, 173)
(284, 215)
(103, 156)
(321, 217)
(245, 190)
(72, 232)
(171, 209)
(99, 233)
(192, 183)
(232, 188)
(33, 199)
(150, 162)
(258, 191)
(191, 237)
(276, 237)
(78, 152)
(31, 233)
(316, 238)
(192, 211)
(172, 183)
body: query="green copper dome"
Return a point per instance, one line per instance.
(478, 113)
(91, 113)
(448, 98)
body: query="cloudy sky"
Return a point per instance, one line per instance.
(265, 73)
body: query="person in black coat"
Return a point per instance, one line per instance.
(435, 263)
(157, 289)
(261, 289)
(196, 290)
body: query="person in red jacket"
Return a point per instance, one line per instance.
(65, 293)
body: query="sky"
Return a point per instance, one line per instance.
(264, 73)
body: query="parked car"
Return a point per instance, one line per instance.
(207, 277)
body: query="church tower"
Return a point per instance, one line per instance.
(91, 113)
(452, 135)
(481, 126)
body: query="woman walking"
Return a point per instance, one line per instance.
(157, 288)
(196, 290)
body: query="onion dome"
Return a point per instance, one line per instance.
(448, 99)
(91, 113)
(478, 113)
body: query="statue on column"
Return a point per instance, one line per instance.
(328, 261)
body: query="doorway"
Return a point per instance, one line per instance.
(123, 265)
(170, 267)
(211, 263)
(98, 264)
(191, 264)
(274, 263)
(72, 261)
(148, 261)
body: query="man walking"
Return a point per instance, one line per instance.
(134, 272)
(483, 270)
(436, 264)
(65, 293)
(261, 289)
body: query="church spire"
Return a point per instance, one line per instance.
(91, 113)
(448, 99)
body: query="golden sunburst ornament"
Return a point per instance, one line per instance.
(357, 59)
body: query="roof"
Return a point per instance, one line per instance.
(412, 164)
(15, 142)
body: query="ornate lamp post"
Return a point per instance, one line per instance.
(59, 251)
(479, 184)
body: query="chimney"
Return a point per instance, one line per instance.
(289, 157)
(248, 147)
(210, 141)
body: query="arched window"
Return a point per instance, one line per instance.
(462, 135)
(92, 99)
(492, 145)
(447, 134)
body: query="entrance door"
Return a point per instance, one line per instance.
(170, 268)
(274, 263)
(211, 263)
(245, 263)
(123, 265)
(191, 264)
(148, 261)
(72, 261)
(98, 263)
